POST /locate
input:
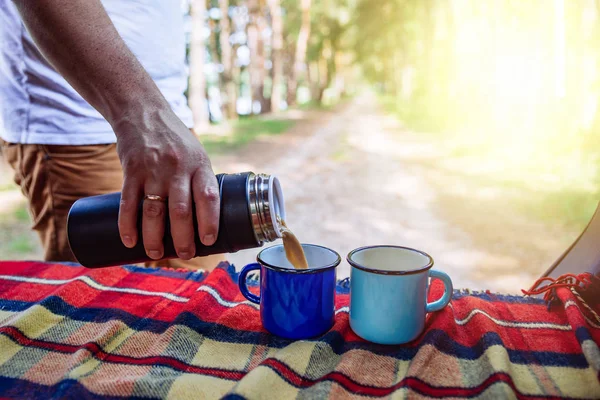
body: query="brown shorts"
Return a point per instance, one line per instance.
(53, 177)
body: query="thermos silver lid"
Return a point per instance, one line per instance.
(266, 204)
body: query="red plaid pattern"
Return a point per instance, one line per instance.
(71, 332)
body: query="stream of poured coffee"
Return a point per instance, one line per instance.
(293, 249)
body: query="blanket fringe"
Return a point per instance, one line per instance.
(577, 283)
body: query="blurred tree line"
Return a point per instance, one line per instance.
(524, 73)
(260, 56)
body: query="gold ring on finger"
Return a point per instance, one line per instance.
(155, 197)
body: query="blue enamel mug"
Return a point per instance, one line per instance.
(294, 303)
(388, 293)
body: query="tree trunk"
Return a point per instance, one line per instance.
(300, 57)
(213, 42)
(265, 104)
(227, 61)
(255, 28)
(197, 94)
(323, 68)
(276, 54)
(213, 49)
(314, 77)
(330, 69)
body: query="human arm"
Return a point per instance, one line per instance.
(158, 153)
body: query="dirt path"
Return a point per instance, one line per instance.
(352, 178)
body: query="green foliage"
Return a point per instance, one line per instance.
(387, 34)
(292, 20)
(315, 105)
(423, 112)
(245, 131)
(21, 244)
(571, 207)
(8, 186)
(22, 215)
(17, 240)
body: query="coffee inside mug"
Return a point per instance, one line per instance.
(317, 257)
(390, 259)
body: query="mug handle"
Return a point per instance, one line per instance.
(242, 283)
(446, 297)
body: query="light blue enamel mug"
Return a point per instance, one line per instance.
(388, 293)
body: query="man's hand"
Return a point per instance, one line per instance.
(160, 156)
(158, 153)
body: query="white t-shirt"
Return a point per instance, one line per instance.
(38, 106)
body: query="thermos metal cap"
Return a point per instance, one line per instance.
(266, 205)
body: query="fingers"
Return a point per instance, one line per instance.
(180, 214)
(153, 223)
(128, 212)
(206, 196)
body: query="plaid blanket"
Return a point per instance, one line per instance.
(70, 332)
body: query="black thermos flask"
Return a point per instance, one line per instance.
(250, 204)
